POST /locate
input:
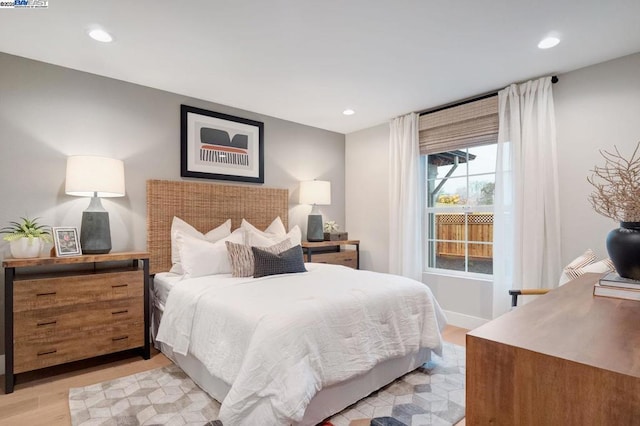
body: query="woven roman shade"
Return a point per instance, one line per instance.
(462, 126)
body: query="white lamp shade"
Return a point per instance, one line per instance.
(315, 192)
(87, 175)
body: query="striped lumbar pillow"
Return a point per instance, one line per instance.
(585, 263)
(241, 256)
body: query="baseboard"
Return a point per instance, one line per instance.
(464, 321)
(1, 365)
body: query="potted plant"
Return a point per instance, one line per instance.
(617, 196)
(26, 238)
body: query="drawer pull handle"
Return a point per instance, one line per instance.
(120, 312)
(348, 259)
(116, 339)
(47, 352)
(119, 285)
(52, 293)
(40, 324)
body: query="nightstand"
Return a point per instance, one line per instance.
(333, 252)
(64, 309)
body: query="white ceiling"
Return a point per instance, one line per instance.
(306, 61)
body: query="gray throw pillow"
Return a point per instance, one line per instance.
(241, 257)
(286, 262)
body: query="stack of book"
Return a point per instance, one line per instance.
(613, 285)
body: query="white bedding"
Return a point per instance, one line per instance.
(163, 282)
(278, 340)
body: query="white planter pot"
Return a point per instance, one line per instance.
(25, 247)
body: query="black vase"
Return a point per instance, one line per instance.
(623, 245)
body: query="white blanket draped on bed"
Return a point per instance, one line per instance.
(278, 340)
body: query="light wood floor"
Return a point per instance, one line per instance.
(40, 398)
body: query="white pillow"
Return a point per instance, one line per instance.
(264, 239)
(180, 226)
(583, 264)
(600, 267)
(200, 257)
(276, 227)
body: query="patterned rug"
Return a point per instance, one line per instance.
(431, 395)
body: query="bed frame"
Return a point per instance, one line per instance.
(206, 206)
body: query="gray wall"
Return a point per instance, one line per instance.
(367, 182)
(48, 113)
(596, 107)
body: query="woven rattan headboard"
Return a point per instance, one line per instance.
(205, 206)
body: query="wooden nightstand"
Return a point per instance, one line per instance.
(63, 309)
(333, 252)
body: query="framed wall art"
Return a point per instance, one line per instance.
(66, 241)
(220, 146)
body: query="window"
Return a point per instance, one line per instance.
(459, 144)
(459, 209)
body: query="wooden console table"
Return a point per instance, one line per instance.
(567, 358)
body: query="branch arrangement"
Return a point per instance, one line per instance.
(617, 186)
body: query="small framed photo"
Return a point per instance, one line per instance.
(220, 146)
(66, 241)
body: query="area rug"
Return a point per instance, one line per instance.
(431, 395)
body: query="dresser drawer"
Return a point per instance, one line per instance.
(72, 290)
(65, 320)
(347, 258)
(45, 352)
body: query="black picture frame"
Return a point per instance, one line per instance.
(220, 146)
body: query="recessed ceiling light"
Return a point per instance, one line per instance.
(100, 35)
(348, 112)
(548, 42)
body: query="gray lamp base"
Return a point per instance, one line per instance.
(95, 235)
(315, 231)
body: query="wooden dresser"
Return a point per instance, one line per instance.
(63, 309)
(333, 252)
(567, 358)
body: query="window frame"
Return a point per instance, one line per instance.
(465, 209)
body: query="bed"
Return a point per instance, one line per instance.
(273, 372)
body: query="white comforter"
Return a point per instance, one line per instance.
(278, 340)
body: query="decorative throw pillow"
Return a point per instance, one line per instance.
(600, 267)
(583, 264)
(286, 262)
(200, 257)
(264, 239)
(276, 227)
(241, 256)
(179, 225)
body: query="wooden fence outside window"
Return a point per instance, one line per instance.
(451, 226)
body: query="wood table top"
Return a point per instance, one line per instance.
(70, 260)
(315, 244)
(572, 324)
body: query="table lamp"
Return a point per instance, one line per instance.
(315, 192)
(95, 177)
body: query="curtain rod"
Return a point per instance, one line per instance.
(554, 80)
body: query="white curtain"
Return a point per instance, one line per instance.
(405, 209)
(527, 215)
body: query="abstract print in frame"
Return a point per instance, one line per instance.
(220, 146)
